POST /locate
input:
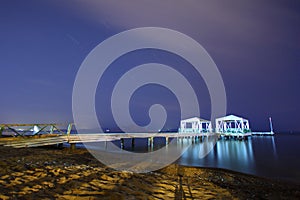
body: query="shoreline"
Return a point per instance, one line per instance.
(279, 180)
(61, 173)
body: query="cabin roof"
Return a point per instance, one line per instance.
(194, 119)
(231, 118)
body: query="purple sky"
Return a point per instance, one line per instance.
(255, 44)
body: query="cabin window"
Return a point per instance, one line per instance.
(188, 125)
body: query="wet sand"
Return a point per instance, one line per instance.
(47, 173)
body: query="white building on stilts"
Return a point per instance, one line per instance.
(232, 124)
(195, 125)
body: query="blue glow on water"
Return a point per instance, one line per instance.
(269, 156)
(275, 157)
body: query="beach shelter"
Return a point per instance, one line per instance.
(195, 125)
(232, 124)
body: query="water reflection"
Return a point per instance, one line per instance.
(229, 154)
(200, 147)
(274, 147)
(270, 156)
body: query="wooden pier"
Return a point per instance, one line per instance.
(60, 137)
(17, 142)
(73, 139)
(263, 133)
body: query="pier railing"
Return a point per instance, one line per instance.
(30, 129)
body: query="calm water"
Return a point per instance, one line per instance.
(276, 157)
(269, 156)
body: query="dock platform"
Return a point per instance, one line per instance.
(262, 133)
(73, 139)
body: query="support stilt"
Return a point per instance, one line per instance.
(132, 143)
(60, 145)
(73, 146)
(122, 143)
(1, 130)
(150, 143)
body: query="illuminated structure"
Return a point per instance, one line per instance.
(232, 124)
(195, 125)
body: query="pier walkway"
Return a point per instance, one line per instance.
(263, 133)
(73, 139)
(60, 137)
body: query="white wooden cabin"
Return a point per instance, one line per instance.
(195, 125)
(232, 124)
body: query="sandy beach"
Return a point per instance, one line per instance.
(48, 173)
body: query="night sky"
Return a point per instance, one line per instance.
(255, 45)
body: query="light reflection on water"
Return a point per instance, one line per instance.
(270, 156)
(229, 154)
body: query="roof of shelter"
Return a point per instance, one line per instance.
(194, 119)
(230, 118)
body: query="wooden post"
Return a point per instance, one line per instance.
(132, 143)
(60, 145)
(150, 143)
(167, 141)
(69, 129)
(122, 143)
(1, 130)
(152, 140)
(73, 146)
